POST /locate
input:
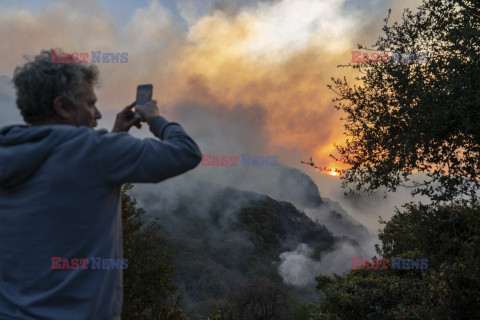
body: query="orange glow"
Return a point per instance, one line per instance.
(221, 65)
(334, 173)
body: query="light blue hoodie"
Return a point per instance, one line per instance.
(60, 197)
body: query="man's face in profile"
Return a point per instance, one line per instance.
(86, 113)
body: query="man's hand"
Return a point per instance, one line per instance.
(148, 111)
(126, 119)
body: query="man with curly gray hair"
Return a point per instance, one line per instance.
(60, 189)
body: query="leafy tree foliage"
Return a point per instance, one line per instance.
(148, 289)
(255, 299)
(448, 289)
(407, 117)
(410, 117)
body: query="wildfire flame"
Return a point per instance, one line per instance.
(334, 172)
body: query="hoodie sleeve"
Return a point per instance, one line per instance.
(122, 158)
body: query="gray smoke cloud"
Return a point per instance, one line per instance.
(299, 269)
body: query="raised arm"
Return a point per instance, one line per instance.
(122, 158)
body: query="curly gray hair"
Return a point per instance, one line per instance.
(40, 81)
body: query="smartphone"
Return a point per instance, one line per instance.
(144, 94)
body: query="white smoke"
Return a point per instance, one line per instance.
(299, 269)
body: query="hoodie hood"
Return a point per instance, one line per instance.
(24, 149)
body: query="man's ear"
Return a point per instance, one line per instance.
(60, 105)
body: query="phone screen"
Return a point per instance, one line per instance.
(144, 94)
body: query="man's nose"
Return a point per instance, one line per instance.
(98, 115)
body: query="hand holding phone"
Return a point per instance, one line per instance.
(144, 95)
(148, 111)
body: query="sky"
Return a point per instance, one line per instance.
(241, 76)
